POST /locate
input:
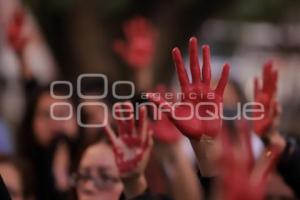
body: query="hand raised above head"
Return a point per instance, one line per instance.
(266, 95)
(133, 143)
(138, 49)
(201, 105)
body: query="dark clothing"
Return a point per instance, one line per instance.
(289, 166)
(4, 195)
(147, 195)
(42, 160)
(207, 183)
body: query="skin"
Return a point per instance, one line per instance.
(230, 97)
(98, 156)
(12, 180)
(46, 128)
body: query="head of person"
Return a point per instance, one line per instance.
(13, 172)
(97, 177)
(40, 126)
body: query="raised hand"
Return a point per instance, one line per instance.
(133, 143)
(266, 95)
(15, 31)
(164, 129)
(198, 96)
(139, 48)
(239, 178)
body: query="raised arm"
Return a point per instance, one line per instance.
(131, 146)
(198, 114)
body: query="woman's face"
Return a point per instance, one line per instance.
(12, 180)
(45, 128)
(98, 176)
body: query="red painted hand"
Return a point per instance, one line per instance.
(14, 31)
(139, 48)
(239, 179)
(266, 96)
(133, 144)
(164, 129)
(198, 113)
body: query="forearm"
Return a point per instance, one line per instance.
(206, 151)
(182, 178)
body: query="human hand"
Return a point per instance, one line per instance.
(239, 177)
(133, 143)
(266, 95)
(139, 48)
(15, 35)
(197, 95)
(164, 130)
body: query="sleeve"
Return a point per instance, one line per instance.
(289, 165)
(4, 195)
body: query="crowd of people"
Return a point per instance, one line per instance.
(140, 153)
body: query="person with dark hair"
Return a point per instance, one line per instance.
(48, 144)
(3, 191)
(102, 174)
(17, 177)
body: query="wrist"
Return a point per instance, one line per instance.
(275, 139)
(206, 151)
(134, 186)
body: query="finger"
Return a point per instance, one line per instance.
(275, 110)
(194, 61)
(267, 71)
(223, 80)
(143, 123)
(181, 72)
(128, 113)
(256, 87)
(206, 64)
(120, 48)
(110, 134)
(120, 119)
(274, 80)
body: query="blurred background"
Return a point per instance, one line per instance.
(71, 37)
(74, 36)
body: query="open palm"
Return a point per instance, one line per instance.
(199, 111)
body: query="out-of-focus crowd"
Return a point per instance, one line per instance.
(206, 140)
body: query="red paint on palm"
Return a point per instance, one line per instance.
(127, 163)
(132, 141)
(164, 130)
(198, 94)
(138, 49)
(266, 96)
